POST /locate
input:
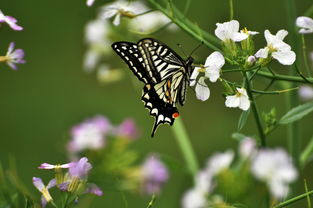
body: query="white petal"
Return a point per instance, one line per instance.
(194, 198)
(212, 73)
(281, 34)
(216, 59)
(202, 90)
(262, 53)
(269, 37)
(284, 57)
(117, 19)
(226, 30)
(242, 91)
(278, 189)
(108, 13)
(237, 37)
(220, 161)
(194, 76)
(306, 23)
(244, 103)
(253, 32)
(232, 101)
(90, 2)
(305, 92)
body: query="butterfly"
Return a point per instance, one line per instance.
(165, 74)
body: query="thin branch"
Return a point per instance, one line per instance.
(292, 200)
(288, 78)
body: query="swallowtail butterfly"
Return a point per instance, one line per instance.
(164, 73)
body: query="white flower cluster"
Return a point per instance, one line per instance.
(272, 166)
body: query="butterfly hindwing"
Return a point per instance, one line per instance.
(162, 112)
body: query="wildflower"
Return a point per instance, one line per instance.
(211, 68)
(13, 57)
(247, 147)
(80, 169)
(94, 189)
(230, 31)
(48, 166)
(306, 92)
(121, 8)
(90, 134)
(96, 32)
(91, 59)
(45, 197)
(90, 2)
(277, 48)
(11, 21)
(219, 162)
(149, 22)
(276, 169)
(305, 24)
(194, 198)
(127, 129)
(107, 75)
(154, 174)
(240, 99)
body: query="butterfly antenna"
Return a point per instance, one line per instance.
(196, 48)
(181, 48)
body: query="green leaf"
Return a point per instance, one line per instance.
(307, 153)
(238, 137)
(243, 119)
(297, 113)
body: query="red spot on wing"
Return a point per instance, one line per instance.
(175, 115)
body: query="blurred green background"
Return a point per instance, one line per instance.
(51, 92)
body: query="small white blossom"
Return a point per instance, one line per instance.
(240, 100)
(91, 59)
(194, 198)
(306, 92)
(90, 2)
(150, 22)
(276, 169)
(247, 147)
(277, 48)
(121, 8)
(305, 24)
(220, 161)
(96, 32)
(212, 68)
(230, 31)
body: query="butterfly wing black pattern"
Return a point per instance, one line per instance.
(165, 74)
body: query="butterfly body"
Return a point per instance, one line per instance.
(164, 73)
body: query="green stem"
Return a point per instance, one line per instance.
(292, 200)
(231, 9)
(152, 201)
(183, 141)
(305, 58)
(292, 98)
(255, 111)
(273, 92)
(288, 78)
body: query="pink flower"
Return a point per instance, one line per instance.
(11, 21)
(127, 129)
(80, 169)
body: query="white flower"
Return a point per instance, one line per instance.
(194, 198)
(247, 147)
(230, 31)
(212, 68)
(122, 8)
(91, 59)
(305, 24)
(276, 169)
(219, 161)
(96, 32)
(150, 22)
(240, 99)
(306, 92)
(90, 2)
(277, 48)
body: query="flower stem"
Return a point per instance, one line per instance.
(305, 58)
(288, 78)
(231, 9)
(183, 141)
(255, 111)
(292, 200)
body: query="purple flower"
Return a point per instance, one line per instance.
(11, 21)
(90, 134)
(154, 173)
(94, 189)
(127, 129)
(80, 169)
(45, 197)
(13, 57)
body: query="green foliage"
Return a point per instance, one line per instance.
(296, 113)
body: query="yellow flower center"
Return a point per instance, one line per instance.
(127, 13)
(271, 48)
(4, 58)
(245, 30)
